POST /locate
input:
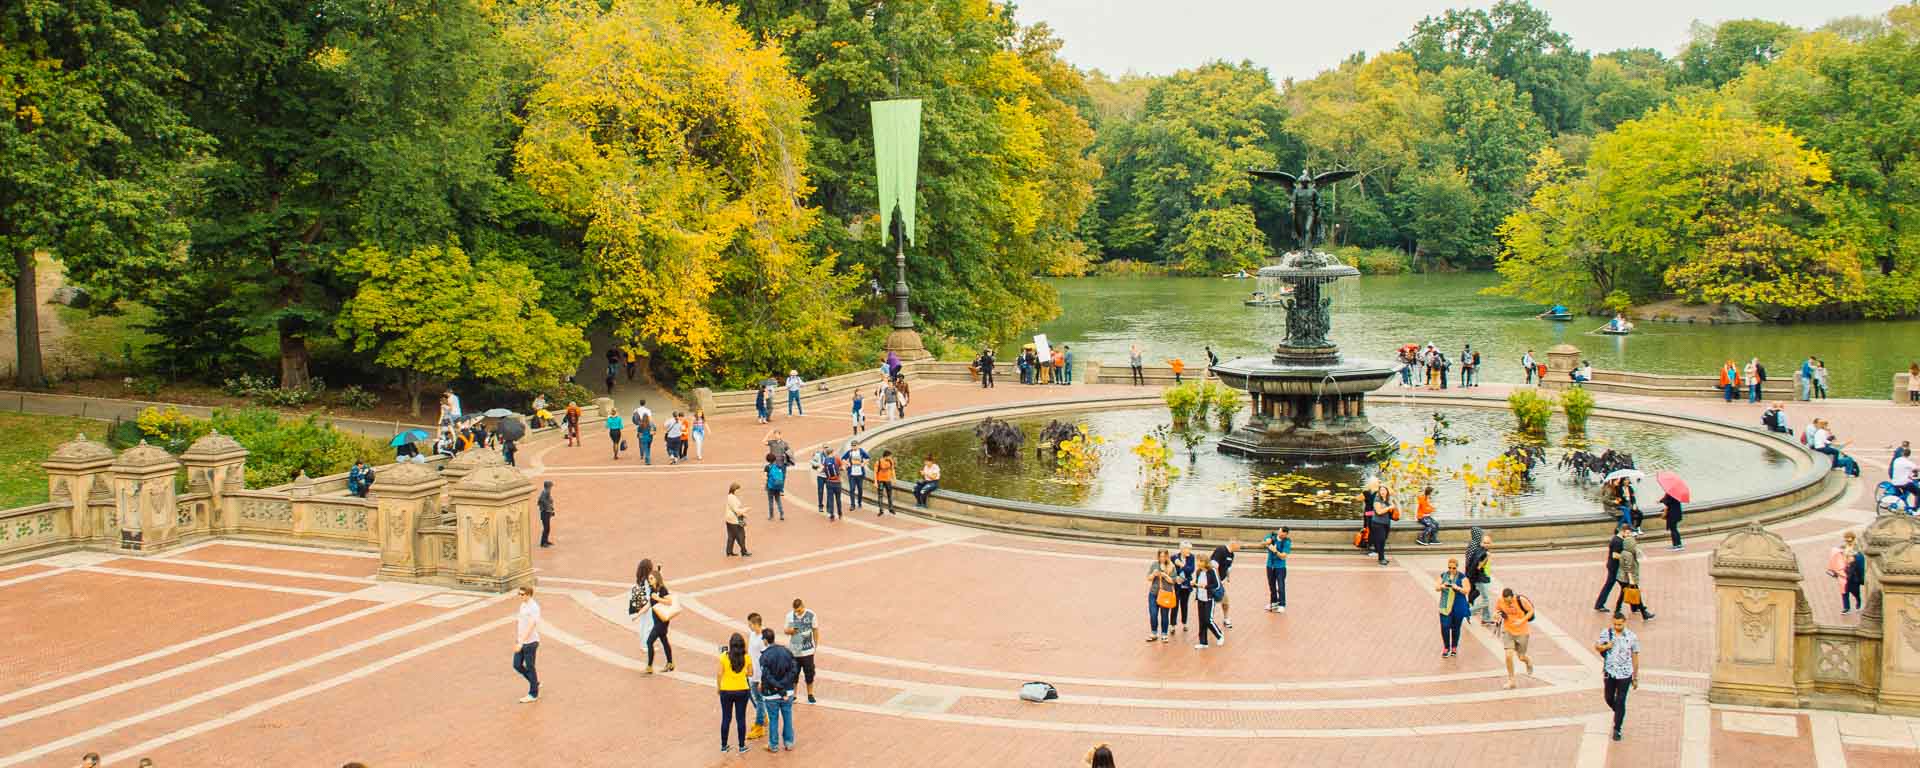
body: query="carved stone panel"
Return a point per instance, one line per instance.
(1836, 659)
(274, 512)
(1756, 615)
(1903, 635)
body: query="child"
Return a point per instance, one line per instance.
(1423, 511)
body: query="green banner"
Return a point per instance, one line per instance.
(896, 159)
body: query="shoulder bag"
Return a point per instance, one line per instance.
(665, 611)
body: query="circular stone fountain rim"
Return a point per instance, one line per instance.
(1811, 468)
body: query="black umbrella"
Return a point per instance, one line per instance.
(511, 428)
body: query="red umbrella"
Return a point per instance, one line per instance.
(1674, 486)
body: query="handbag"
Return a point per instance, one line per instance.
(1166, 598)
(1393, 513)
(633, 600)
(667, 610)
(1631, 595)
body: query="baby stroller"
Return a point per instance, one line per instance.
(1889, 498)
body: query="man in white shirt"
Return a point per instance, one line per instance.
(526, 643)
(639, 411)
(793, 394)
(1906, 479)
(453, 406)
(803, 636)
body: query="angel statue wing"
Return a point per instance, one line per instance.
(1286, 179)
(1321, 180)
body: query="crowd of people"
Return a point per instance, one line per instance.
(1429, 368)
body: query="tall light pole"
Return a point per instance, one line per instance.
(896, 159)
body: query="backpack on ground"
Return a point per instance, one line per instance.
(1038, 692)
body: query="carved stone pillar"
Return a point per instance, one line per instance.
(406, 499)
(75, 471)
(216, 465)
(1900, 646)
(466, 462)
(299, 499)
(1561, 360)
(495, 524)
(1756, 584)
(143, 494)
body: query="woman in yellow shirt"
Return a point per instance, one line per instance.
(735, 669)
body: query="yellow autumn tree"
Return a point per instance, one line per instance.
(678, 143)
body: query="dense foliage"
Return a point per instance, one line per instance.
(279, 448)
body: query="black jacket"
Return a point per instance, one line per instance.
(778, 671)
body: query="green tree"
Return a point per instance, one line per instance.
(435, 314)
(1718, 53)
(679, 145)
(1439, 209)
(1515, 42)
(1623, 85)
(1492, 137)
(376, 121)
(91, 146)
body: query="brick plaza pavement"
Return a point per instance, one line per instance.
(240, 654)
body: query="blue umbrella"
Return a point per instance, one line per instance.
(408, 436)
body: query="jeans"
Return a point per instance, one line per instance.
(1277, 586)
(1206, 622)
(1466, 377)
(793, 403)
(1753, 393)
(1066, 374)
(1613, 574)
(645, 441)
(856, 484)
(833, 501)
(1806, 385)
(820, 492)
(773, 503)
(733, 712)
(923, 489)
(1529, 374)
(523, 664)
(1158, 618)
(759, 704)
(1728, 392)
(546, 528)
(659, 632)
(1429, 530)
(1450, 629)
(1851, 592)
(1406, 375)
(1480, 600)
(1615, 690)
(883, 496)
(1626, 516)
(736, 532)
(780, 720)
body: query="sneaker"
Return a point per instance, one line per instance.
(1228, 623)
(724, 749)
(1600, 608)
(1677, 547)
(743, 749)
(1281, 609)
(1151, 638)
(529, 699)
(1507, 685)
(1445, 652)
(669, 666)
(1529, 667)
(811, 700)
(1200, 646)
(1646, 616)
(1616, 735)
(1223, 640)
(771, 748)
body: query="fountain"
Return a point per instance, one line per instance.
(1308, 401)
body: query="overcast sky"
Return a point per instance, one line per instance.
(1299, 38)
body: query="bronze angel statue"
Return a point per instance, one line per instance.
(1306, 199)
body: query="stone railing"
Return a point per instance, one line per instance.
(1769, 651)
(1084, 372)
(1900, 388)
(463, 522)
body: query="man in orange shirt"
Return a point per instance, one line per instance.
(1423, 511)
(1516, 614)
(883, 483)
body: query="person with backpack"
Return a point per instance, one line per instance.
(1629, 577)
(1208, 587)
(1516, 619)
(855, 459)
(1279, 545)
(833, 471)
(1452, 587)
(776, 473)
(1479, 574)
(1620, 666)
(779, 674)
(1469, 362)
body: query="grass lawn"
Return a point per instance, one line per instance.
(28, 440)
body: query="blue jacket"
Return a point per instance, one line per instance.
(778, 671)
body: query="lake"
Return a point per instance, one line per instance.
(1374, 315)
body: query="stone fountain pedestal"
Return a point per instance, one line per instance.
(1309, 403)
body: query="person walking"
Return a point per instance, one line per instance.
(1516, 619)
(859, 412)
(1479, 574)
(1423, 513)
(735, 669)
(1160, 598)
(833, 474)
(803, 633)
(1222, 561)
(906, 392)
(1838, 560)
(643, 429)
(1452, 587)
(793, 393)
(615, 426)
(633, 361)
(1619, 653)
(929, 482)
(526, 642)
(776, 473)
(676, 438)
(1614, 547)
(1208, 589)
(571, 420)
(856, 460)
(883, 471)
(545, 505)
(699, 433)
(1855, 575)
(1527, 363)
(1631, 594)
(1672, 515)
(612, 373)
(651, 598)
(736, 519)
(1134, 360)
(1279, 545)
(779, 673)
(1184, 566)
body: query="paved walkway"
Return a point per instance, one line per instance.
(237, 654)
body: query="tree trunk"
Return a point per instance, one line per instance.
(413, 393)
(293, 358)
(29, 372)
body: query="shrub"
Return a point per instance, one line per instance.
(1226, 405)
(170, 429)
(1182, 400)
(1578, 404)
(355, 398)
(1128, 268)
(145, 386)
(1078, 458)
(1531, 410)
(278, 448)
(247, 385)
(266, 391)
(1202, 401)
(1375, 261)
(1154, 450)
